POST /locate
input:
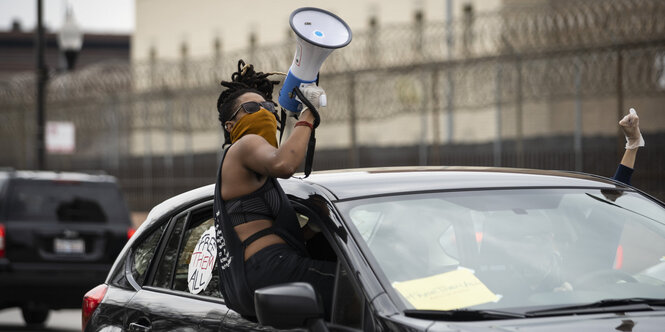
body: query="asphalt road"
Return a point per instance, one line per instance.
(58, 321)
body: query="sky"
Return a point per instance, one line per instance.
(93, 16)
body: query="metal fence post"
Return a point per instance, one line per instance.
(372, 43)
(168, 156)
(620, 136)
(147, 159)
(436, 130)
(497, 147)
(184, 72)
(519, 126)
(418, 26)
(450, 108)
(578, 118)
(353, 123)
(114, 157)
(422, 151)
(449, 73)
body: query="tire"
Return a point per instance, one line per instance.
(34, 316)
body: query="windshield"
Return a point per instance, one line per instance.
(497, 249)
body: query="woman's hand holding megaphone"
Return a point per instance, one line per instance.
(310, 98)
(314, 94)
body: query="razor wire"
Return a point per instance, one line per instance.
(568, 25)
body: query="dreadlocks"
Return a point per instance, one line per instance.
(242, 81)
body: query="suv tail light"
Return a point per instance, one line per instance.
(91, 301)
(130, 232)
(2, 240)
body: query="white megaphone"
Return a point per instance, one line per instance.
(318, 33)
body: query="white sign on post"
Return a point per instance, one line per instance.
(202, 262)
(60, 137)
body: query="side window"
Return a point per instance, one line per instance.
(190, 242)
(164, 272)
(143, 253)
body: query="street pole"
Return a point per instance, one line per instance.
(41, 90)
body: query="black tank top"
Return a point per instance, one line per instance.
(264, 203)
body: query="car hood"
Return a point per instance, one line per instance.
(639, 321)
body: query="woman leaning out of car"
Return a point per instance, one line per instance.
(256, 224)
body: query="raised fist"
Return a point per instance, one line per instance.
(630, 124)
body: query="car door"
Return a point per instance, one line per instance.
(177, 295)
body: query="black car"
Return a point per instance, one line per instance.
(59, 235)
(417, 249)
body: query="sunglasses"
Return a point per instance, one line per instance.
(253, 107)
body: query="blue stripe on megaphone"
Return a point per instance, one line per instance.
(287, 99)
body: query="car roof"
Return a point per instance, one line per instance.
(57, 176)
(355, 183)
(177, 202)
(364, 182)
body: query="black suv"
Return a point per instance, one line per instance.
(59, 236)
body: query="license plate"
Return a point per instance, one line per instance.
(69, 246)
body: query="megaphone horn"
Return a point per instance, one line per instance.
(318, 33)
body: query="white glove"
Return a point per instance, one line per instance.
(314, 94)
(630, 124)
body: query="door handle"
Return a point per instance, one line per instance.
(136, 327)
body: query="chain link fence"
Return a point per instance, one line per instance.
(539, 86)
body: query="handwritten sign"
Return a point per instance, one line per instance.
(202, 262)
(446, 291)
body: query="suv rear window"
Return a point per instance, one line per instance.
(67, 201)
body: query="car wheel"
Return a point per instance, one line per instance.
(34, 316)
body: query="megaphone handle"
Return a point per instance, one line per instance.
(315, 112)
(323, 100)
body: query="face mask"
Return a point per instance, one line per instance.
(262, 123)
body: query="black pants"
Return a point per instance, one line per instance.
(279, 263)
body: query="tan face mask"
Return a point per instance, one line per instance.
(262, 123)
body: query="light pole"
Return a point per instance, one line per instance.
(70, 39)
(42, 78)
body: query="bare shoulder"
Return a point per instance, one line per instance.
(250, 147)
(254, 153)
(237, 178)
(248, 142)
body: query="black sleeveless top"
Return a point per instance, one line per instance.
(263, 203)
(231, 251)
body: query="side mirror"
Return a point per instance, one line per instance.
(288, 306)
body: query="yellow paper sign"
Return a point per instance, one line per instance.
(446, 291)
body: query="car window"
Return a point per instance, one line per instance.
(189, 260)
(66, 201)
(165, 269)
(142, 254)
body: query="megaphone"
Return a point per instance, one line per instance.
(318, 33)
